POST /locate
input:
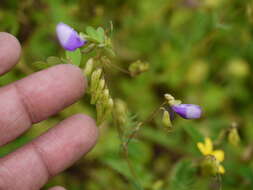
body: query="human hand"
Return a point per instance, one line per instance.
(30, 101)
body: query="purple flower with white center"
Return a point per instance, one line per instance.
(68, 37)
(187, 111)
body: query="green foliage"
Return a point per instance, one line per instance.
(74, 56)
(96, 35)
(193, 133)
(50, 61)
(183, 175)
(200, 51)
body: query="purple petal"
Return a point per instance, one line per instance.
(187, 111)
(68, 37)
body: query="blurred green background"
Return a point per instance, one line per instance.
(201, 51)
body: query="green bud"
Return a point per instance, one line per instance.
(120, 109)
(171, 100)
(138, 67)
(108, 108)
(110, 103)
(166, 119)
(169, 97)
(233, 136)
(174, 102)
(88, 67)
(104, 110)
(105, 96)
(95, 78)
(99, 91)
(209, 166)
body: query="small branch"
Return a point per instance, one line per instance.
(116, 67)
(140, 124)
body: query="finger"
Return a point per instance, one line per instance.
(31, 166)
(37, 97)
(57, 188)
(10, 50)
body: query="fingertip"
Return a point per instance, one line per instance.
(67, 142)
(10, 50)
(73, 72)
(49, 154)
(88, 126)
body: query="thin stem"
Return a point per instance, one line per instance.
(221, 137)
(131, 168)
(125, 151)
(116, 67)
(88, 49)
(131, 136)
(140, 124)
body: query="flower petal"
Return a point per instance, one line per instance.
(219, 155)
(68, 37)
(201, 148)
(187, 111)
(209, 145)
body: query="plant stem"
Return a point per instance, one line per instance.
(141, 124)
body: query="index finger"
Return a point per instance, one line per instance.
(10, 50)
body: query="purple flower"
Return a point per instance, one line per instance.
(187, 111)
(68, 37)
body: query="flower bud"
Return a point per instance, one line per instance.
(138, 67)
(88, 67)
(166, 119)
(110, 103)
(233, 137)
(68, 37)
(98, 93)
(187, 111)
(210, 166)
(120, 109)
(105, 96)
(169, 97)
(95, 79)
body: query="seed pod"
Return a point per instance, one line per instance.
(120, 110)
(138, 67)
(95, 76)
(99, 91)
(166, 119)
(88, 67)
(233, 136)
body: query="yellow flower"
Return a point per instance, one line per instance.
(206, 149)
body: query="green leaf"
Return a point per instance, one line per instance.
(110, 52)
(92, 33)
(50, 61)
(74, 56)
(39, 65)
(194, 133)
(183, 176)
(54, 60)
(101, 34)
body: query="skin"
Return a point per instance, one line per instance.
(31, 100)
